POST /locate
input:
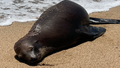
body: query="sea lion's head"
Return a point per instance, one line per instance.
(30, 50)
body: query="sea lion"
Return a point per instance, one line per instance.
(59, 26)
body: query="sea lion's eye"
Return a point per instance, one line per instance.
(37, 41)
(19, 55)
(31, 48)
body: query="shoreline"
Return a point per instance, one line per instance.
(99, 53)
(113, 13)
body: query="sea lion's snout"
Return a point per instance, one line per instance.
(31, 56)
(33, 59)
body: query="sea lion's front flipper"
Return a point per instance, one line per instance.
(95, 32)
(91, 32)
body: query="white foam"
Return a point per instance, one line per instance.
(30, 10)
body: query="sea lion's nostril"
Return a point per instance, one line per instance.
(33, 59)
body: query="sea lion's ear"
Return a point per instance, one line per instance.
(36, 41)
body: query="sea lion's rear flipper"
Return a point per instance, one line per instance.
(93, 32)
(103, 21)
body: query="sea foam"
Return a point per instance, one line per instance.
(30, 10)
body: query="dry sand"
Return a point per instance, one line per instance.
(103, 52)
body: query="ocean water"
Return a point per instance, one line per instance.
(30, 10)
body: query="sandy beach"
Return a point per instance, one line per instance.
(103, 52)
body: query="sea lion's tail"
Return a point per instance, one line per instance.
(103, 21)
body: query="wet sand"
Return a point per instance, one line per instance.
(103, 52)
